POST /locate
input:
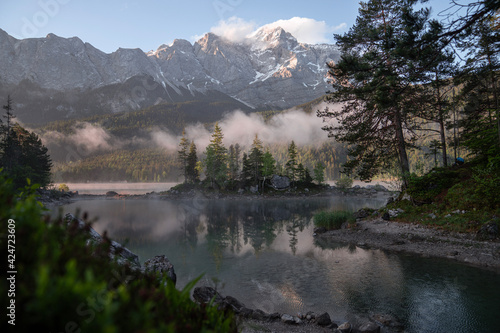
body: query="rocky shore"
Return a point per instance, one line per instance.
(419, 240)
(256, 320)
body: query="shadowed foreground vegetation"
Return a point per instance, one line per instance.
(64, 285)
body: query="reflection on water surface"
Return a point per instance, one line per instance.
(262, 252)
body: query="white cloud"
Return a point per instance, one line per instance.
(238, 127)
(306, 30)
(234, 29)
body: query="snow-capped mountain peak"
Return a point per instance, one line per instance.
(268, 69)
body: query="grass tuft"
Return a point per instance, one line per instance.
(333, 220)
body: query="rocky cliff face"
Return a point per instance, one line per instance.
(269, 69)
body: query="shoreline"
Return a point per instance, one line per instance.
(415, 239)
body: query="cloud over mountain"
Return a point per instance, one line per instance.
(305, 30)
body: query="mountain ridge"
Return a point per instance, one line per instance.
(268, 70)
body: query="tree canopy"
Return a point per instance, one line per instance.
(22, 154)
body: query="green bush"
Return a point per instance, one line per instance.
(344, 183)
(487, 190)
(427, 187)
(333, 220)
(64, 285)
(63, 187)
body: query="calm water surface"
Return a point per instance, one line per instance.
(263, 253)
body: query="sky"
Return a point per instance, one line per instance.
(147, 24)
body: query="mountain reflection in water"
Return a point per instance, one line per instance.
(263, 253)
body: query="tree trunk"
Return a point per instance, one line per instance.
(443, 140)
(403, 157)
(441, 123)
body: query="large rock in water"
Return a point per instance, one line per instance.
(369, 327)
(280, 182)
(162, 266)
(323, 319)
(116, 252)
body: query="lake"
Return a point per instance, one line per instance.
(119, 187)
(263, 253)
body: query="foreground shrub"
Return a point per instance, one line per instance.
(63, 285)
(333, 220)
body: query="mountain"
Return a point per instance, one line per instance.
(54, 78)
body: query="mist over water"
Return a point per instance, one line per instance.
(119, 187)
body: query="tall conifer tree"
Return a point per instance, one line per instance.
(373, 84)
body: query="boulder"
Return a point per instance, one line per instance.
(161, 266)
(206, 294)
(386, 216)
(369, 327)
(345, 327)
(323, 319)
(320, 230)
(246, 312)
(362, 213)
(488, 231)
(280, 182)
(395, 212)
(260, 315)
(287, 319)
(234, 303)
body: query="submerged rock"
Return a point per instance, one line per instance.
(116, 251)
(345, 327)
(369, 327)
(387, 321)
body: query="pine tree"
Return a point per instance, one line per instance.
(192, 174)
(8, 115)
(255, 160)
(480, 93)
(268, 166)
(183, 155)
(25, 157)
(319, 173)
(374, 82)
(438, 60)
(291, 164)
(234, 161)
(246, 170)
(216, 159)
